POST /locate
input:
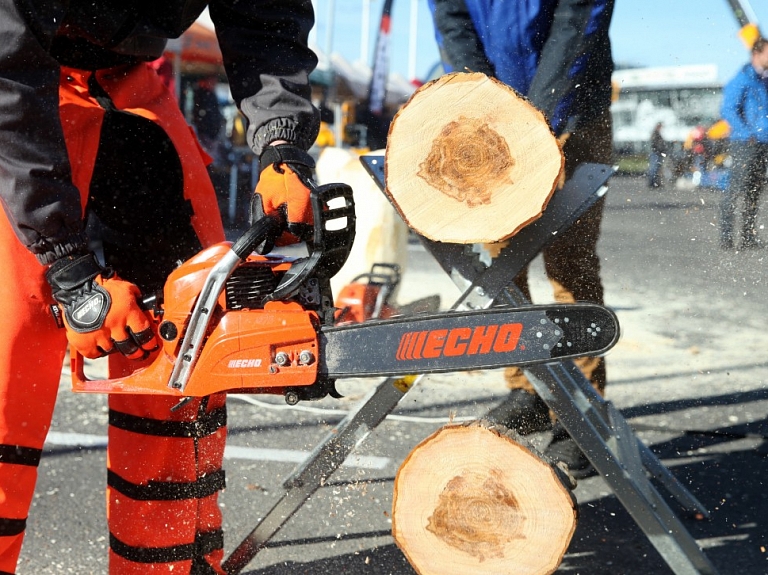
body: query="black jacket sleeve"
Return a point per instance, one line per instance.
(268, 62)
(36, 186)
(461, 49)
(572, 84)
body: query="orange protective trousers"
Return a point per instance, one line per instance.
(164, 467)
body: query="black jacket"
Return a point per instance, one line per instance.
(266, 55)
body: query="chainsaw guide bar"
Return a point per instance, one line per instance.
(461, 341)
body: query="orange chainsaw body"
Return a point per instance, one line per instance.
(367, 296)
(261, 350)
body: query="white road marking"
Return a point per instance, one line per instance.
(230, 452)
(75, 439)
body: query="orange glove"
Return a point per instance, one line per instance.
(283, 193)
(101, 311)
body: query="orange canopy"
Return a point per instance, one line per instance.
(199, 49)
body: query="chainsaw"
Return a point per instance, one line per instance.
(368, 295)
(232, 320)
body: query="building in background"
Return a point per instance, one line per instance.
(680, 97)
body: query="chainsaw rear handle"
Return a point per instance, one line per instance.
(330, 244)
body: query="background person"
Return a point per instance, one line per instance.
(745, 108)
(656, 157)
(558, 54)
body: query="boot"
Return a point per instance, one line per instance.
(564, 449)
(522, 411)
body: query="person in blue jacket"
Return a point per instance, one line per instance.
(557, 53)
(745, 108)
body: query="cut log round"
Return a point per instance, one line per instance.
(469, 160)
(473, 498)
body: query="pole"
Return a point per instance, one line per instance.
(743, 12)
(412, 39)
(365, 31)
(329, 27)
(377, 89)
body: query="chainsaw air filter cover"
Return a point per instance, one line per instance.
(249, 284)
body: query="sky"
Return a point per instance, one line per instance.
(643, 33)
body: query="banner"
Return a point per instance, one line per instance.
(377, 91)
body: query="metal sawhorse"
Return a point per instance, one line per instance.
(602, 433)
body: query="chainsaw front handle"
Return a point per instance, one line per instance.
(200, 319)
(256, 234)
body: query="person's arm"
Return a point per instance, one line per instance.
(36, 186)
(732, 108)
(744, 106)
(574, 70)
(268, 62)
(461, 45)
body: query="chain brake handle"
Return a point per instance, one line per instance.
(332, 237)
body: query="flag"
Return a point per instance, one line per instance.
(377, 91)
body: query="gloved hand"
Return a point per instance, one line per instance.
(283, 192)
(101, 311)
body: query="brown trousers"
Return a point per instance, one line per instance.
(571, 261)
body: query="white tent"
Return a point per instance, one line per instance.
(357, 77)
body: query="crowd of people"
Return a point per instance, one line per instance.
(735, 147)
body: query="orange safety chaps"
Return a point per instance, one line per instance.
(147, 196)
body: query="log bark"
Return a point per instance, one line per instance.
(475, 498)
(469, 160)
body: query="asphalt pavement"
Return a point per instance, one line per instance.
(689, 374)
